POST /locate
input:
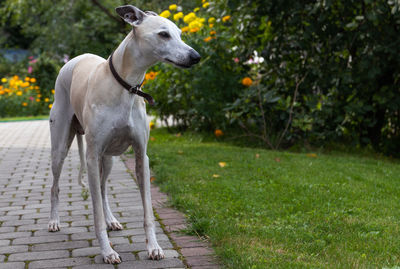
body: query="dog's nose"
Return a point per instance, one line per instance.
(194, 57)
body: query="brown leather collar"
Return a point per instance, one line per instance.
(131, 89)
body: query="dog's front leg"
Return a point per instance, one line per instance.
(92, 158)
(143, 176)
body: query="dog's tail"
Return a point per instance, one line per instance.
(82, 159)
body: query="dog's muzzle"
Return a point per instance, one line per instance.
(194, 57)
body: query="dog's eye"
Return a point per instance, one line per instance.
(164, 34)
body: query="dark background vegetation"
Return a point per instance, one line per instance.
(330, 75)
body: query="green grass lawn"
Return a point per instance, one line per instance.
(271, 209)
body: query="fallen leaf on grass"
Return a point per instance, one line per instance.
(180, 152)
(312, 155)
(222, 164)
(152, 138)
(178, 134)
(257, 155)
(152, 179)
(215, 175)
(277, 160)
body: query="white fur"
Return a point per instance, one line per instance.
(112, 118)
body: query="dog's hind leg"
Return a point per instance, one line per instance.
(62, 135)
(82, 159)
(112, 223)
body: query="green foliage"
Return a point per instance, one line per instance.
(331, 73)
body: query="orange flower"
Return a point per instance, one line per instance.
(207, 39)
(32, 80)
(185, 29)
(218, 133)
(194, 30)
(213, 33)
(24, 104)
(226, 18)
(152, 75)
(247, 82)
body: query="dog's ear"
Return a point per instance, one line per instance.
(130, 14)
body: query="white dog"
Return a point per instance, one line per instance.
(92, 98)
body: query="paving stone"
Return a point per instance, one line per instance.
(60, 245)
(165, 263)
(56, 263)
(12, 265)
(41, 239)
(4, 242)
(42, 255)
(13, 249)
(82, 252)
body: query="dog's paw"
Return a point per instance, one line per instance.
(54, 226)
(156, 253)
(112, 258)
(114, 225)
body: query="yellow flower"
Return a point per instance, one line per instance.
(24, 104)
(173, 7)
(37, 87)
(207, 39)
(196, 9)
(2, 92)
(203, 1)
(33, 80)
(218, 133)
(194, 30)
(247, 81)
(195, 24)
(19, 93)
(25, 84)
(185, 29)
(189, 17)
(53, 91)
(152, 125)
(27, 78)
(165, 14)
(3, 80)
(46, 99)
(50, 106)
(37, 100)
(211, 20)
(15, 77)
(222, 164)
(206, 4)
(226, 18)
(211, 25)
(178, 16)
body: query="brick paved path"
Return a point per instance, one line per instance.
(25, 181)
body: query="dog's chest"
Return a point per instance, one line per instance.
(125, 128)
(118, 141)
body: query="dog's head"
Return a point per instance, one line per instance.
(159, 37)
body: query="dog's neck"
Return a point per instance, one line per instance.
(129, 62)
